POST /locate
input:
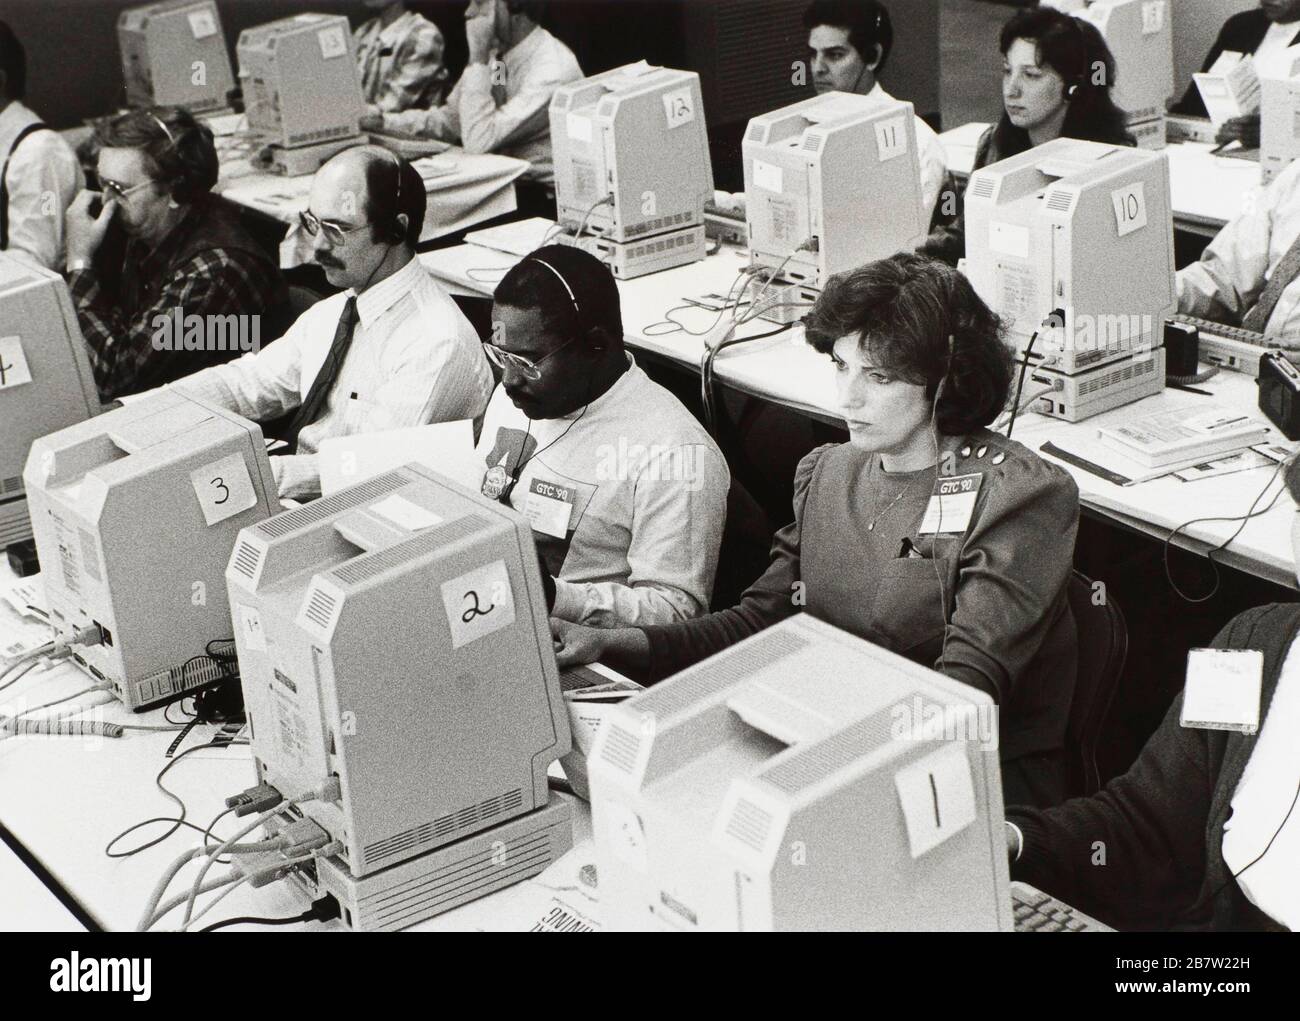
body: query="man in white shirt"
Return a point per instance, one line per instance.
(849, 42)
(1249, 275)
(626, 491)
(39, 173)
(391, 350)
(499, 105)
(399, 55)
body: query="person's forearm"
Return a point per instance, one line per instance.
(627, 650)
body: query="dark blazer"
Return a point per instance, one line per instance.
(1242, 33)
(1162, 821)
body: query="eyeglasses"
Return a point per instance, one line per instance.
(119, 192)
(335, 233)
(526, 367)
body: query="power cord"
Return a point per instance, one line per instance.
(323, 910)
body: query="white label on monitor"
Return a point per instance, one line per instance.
(478, 603)
(579, 127)
(891, 138)
(1009, 239)
(14, 370)
(1130, 208)
(679, 107)
(224, 488)
(405, 514)
(937, 797)
(332, 42)
(250, 623)
(767, 177)
(201, 24)
(1153, 16)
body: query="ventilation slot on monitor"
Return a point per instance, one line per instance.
(286, 524)
(749, 824)
(1060, 201)
(982, 187)
(373, 564)
(1129, 371)
(11, 485)
(808, 765)
(469, 817)
(755, 133)
(321, 608)
(247, 560)
(763, 652)
(621, 748)
(812, 143)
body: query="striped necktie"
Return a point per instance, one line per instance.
(314, 404)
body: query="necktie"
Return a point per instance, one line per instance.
(321, 386)
(1287, 269)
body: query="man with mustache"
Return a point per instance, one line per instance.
(390, 350)
(625, 490)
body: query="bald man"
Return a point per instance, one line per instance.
(390, 350)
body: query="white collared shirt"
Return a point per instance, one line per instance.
(414, 359)
(43, 179)
(519, 125)
(1263, 799)
(1235, 267)
(1274, 55)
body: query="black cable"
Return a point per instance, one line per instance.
(1243, 518)
(176, 821)
(706, 372)
(1024, 367)
(306, 916)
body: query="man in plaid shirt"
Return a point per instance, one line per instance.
(185, 249)
(399, 55)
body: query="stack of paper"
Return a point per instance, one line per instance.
(1176, 439)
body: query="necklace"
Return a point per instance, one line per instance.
(902, 493)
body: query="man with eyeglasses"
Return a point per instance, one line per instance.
(39, 173)
(174, 246)
(625, 490)
(391, 350)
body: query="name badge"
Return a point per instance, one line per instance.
(952, 502)
(548, 507)
(1222, 690)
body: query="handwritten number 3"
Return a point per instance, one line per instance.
(474, 610)
(220, 484)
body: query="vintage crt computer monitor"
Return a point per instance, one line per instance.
(302, 91)
(1140, 36)
(802, 779)
(1279, 123)
(135, 514)
(174, 54)
(1077, 235)
(632, 169)
(831, 182)
(394, 635)
(45, 378)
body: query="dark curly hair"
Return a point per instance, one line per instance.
(179, 152)
(905, 311)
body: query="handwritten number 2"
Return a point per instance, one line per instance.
(474, 610)
(220, 484)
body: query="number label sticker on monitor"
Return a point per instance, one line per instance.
(1130, 208)
(891, 138)
(478, 603)
(937, 797)
(224, 488)
(250, 622)
(201, 24)
(1153, 16)
(14, 370)
(679, 107)
(768, 177)
(332, 43)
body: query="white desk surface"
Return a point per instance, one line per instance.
(784, 369)
(1206, 191)
(26, 905)
(64, 798)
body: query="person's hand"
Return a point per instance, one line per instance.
(372, 119)
(480, 30)
(84, 232)
(1240, 129)
(577, 644)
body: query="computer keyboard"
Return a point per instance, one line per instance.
(1035, 911)
(1237, 333)
(1233, 347)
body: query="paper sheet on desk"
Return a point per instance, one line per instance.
(518, 238)
(446, 447)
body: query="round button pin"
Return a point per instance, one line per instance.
(999, 458)
(981, 451)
